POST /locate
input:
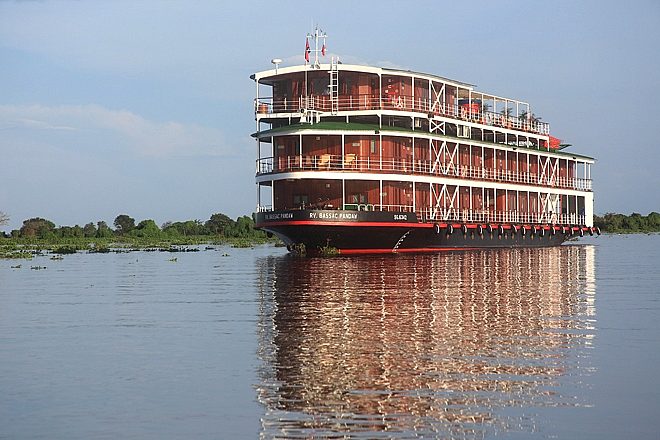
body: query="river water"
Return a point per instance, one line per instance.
(558, 343)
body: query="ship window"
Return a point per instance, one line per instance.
(359, 198)
(320, 86)
(463, 131)
(300, 199)
(373, 146)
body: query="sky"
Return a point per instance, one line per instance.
(146, 108)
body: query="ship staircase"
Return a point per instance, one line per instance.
(334, 85)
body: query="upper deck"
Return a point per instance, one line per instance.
(336, 89)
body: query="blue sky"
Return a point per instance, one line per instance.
(145, 108)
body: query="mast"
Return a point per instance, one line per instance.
(316, 36)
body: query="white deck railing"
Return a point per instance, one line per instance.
(400, 103)
(351, 162)
(498, 217)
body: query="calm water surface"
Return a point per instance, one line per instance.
(544, 343)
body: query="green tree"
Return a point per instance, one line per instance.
(124, 224)
(103, 230)
(241, 228)
(633, 222)
(147, 228)
(37, 227)
(70, 231)
(217, 223)
(78, 231)
(611, 222)
(190, 227)
(89, 230)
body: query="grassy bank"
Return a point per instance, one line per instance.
(26, 248)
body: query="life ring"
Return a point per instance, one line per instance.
(437, 228)
(464, 229)
(450, 229)
(597, 230)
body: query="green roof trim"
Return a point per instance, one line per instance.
(353, 126)
(344, 126)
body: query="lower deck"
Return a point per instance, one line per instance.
(470, 202)
(354, 232)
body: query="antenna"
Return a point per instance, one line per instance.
(316, 35)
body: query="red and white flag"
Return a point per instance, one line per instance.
(323, 49)
(307, 50)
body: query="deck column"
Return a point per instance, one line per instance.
(343, 193)
(380, 150)
(413, 155)
(380, 193)
(414, 197)
(258, 197)
(343, 152)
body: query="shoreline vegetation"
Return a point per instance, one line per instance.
(634, 223)
(39, 236)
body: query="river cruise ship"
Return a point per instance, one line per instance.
(362, 159)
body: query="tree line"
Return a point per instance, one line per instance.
(243, 227)
(621, 223)
(125, 226)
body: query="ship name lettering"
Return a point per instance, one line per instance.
(400, 217)
(279, 216)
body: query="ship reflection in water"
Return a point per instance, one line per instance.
(461, 345)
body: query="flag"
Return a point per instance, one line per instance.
(323, 49)
(306, 50)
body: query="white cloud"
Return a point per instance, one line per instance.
(86, 126)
